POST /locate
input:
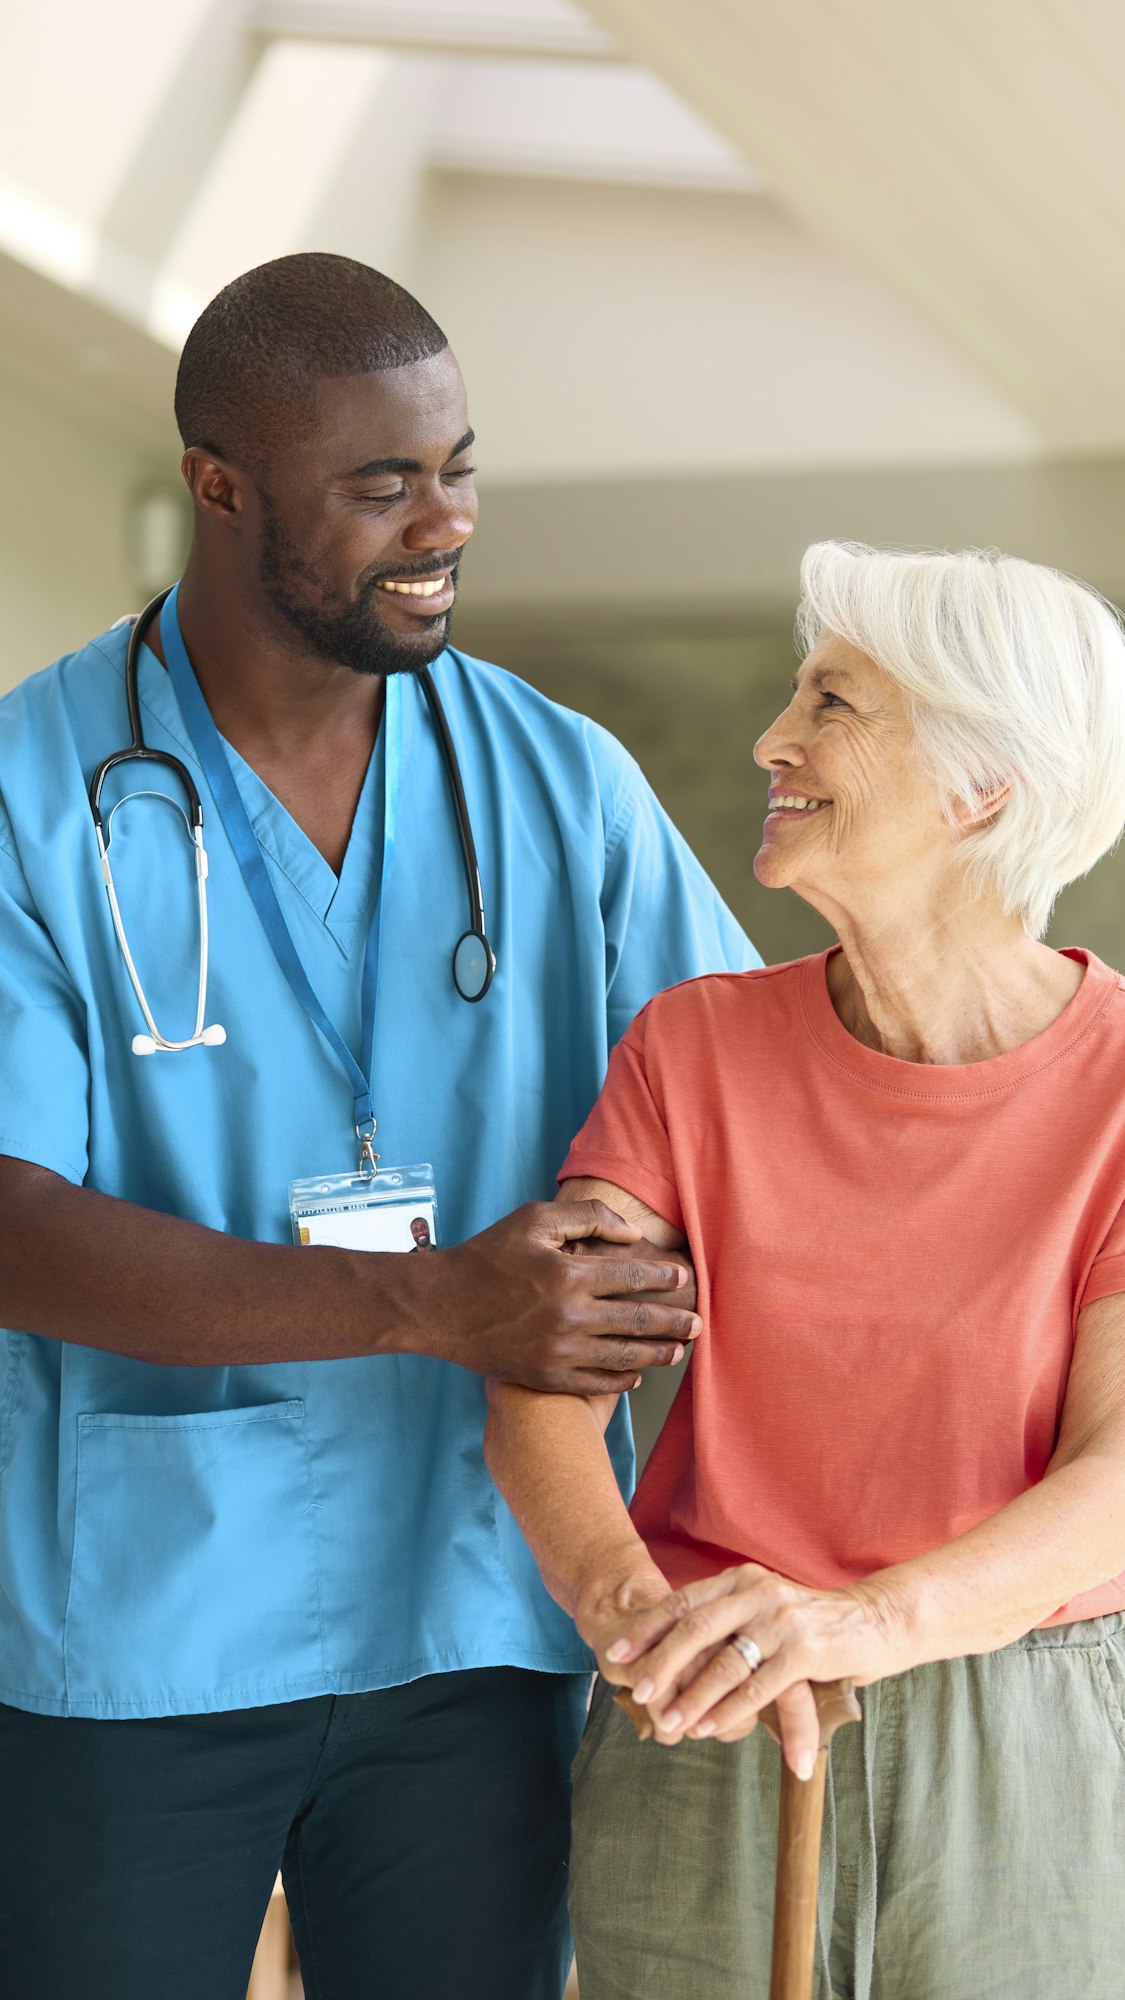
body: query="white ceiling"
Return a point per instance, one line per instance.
(969, 154)
(903, 222)
(145, 200)
(725, 276)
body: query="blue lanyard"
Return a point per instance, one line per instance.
(208, 746)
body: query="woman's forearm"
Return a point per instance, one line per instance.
(984, 1590)
(1062, 1538)
(548, 1457)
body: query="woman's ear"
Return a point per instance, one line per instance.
(976, 812)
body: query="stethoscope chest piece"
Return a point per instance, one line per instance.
(473, 965)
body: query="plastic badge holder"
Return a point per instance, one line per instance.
(393, 1209)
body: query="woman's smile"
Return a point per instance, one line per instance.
(790, 805)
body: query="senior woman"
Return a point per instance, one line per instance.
(899, 1452)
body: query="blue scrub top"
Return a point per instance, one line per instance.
(176, 1540)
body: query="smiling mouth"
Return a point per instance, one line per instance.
(793, 802)
(425, 587)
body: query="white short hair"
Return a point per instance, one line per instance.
(1014, 675)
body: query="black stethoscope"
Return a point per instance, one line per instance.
(474, 961)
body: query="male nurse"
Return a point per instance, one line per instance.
(260, 1605)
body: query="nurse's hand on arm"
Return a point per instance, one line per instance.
(80, 1266)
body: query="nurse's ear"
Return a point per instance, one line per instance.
(217, 488)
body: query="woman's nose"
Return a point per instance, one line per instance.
(776, 747)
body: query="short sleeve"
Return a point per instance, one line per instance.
(1107, 1273)
(625, 1138)
(44, 1063)
(665, 921)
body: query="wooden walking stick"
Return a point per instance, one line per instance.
(799, 1821)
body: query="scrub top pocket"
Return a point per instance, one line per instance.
(195, 1564)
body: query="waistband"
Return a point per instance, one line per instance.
(1084, 1632)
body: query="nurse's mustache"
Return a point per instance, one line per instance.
(415, 572)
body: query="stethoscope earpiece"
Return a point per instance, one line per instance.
(211, 1038)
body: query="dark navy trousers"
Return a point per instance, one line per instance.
(422, 1832)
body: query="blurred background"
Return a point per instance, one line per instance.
(723, 278)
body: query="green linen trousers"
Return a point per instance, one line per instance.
(974, 1840)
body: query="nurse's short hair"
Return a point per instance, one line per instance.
(1014, 675)
(271, 332)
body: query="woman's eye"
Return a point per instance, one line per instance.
(466, 472)
(830, 700)
(382, 499)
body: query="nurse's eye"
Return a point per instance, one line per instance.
(466, 472)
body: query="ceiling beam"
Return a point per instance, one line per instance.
(326, 151)
(574, 121)
(450, 27)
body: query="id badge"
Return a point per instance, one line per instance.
(393, 1209)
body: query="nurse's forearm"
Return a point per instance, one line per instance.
(86, 1268)
(83, 1267)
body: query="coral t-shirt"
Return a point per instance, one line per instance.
(891, 1260)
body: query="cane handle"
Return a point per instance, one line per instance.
(638, 1716)
(835, 1705)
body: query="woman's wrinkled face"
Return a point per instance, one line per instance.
(852, 815)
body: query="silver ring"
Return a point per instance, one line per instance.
(750, 1650)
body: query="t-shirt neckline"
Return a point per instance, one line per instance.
(952, 1081)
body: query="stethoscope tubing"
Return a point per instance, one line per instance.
(477, 930)
(197, 1033)
(138, 751)
(482, 960)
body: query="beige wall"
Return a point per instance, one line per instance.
(63, 512)
(617, 330)
(690, 698)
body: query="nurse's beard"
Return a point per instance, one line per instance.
(351, 634)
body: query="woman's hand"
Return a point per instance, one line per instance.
(677, 1655)
(621, 1589)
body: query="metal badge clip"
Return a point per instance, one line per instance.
(368, 1157)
